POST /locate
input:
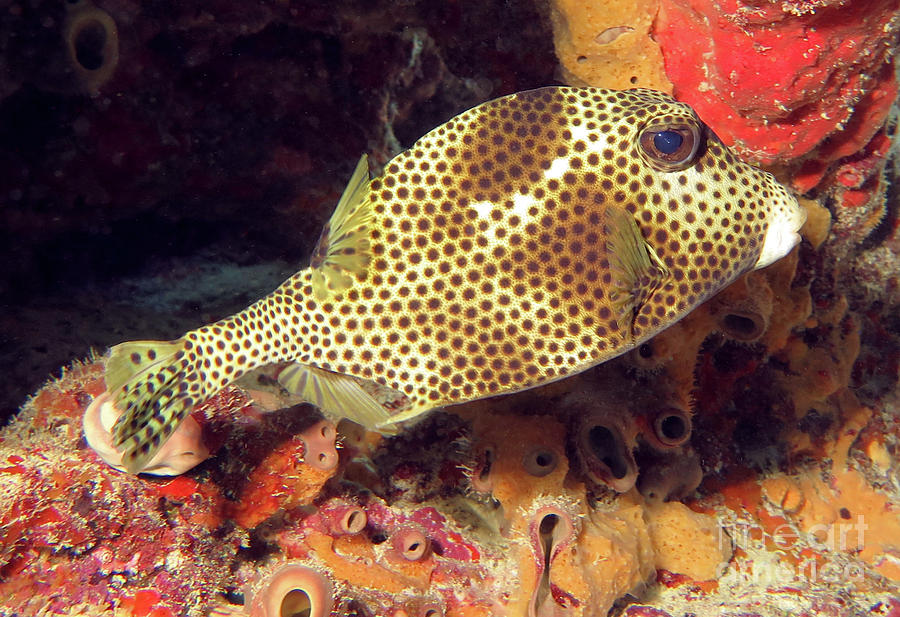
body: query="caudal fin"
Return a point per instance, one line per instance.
(150, 381)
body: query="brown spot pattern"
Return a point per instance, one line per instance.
(490, 270)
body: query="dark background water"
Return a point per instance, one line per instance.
(166, 163)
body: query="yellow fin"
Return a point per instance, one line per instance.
(149, 385)
(636, 268)
(409, 413)
(343, 248)
(128, 360)
(334, 393)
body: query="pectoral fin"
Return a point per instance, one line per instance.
(636, 268)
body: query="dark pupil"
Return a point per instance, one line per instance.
(667, 142)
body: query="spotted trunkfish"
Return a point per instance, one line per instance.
(522, 241)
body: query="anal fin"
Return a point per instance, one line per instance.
(334, 393)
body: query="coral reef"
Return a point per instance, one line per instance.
(726, 463)
(744, 461)
(76, 535)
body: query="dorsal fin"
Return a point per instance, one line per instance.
(343, 249)
(636, 268)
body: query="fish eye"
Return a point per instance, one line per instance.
(670, 147)
(668, 142)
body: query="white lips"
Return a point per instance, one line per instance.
(785, 220)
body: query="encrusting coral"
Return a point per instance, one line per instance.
(558, 501)
(75, 532)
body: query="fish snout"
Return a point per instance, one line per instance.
(786, 217)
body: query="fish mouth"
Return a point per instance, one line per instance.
(786, 217)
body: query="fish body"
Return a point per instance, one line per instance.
(524, 240)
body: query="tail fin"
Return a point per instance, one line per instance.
(150, 382)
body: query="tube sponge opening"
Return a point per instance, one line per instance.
(91, 45)
(293, 590)
(604, 453)
(320, 451)
(745, 325)
(671, 427)
(410, 544)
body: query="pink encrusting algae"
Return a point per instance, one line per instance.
(77, 533)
